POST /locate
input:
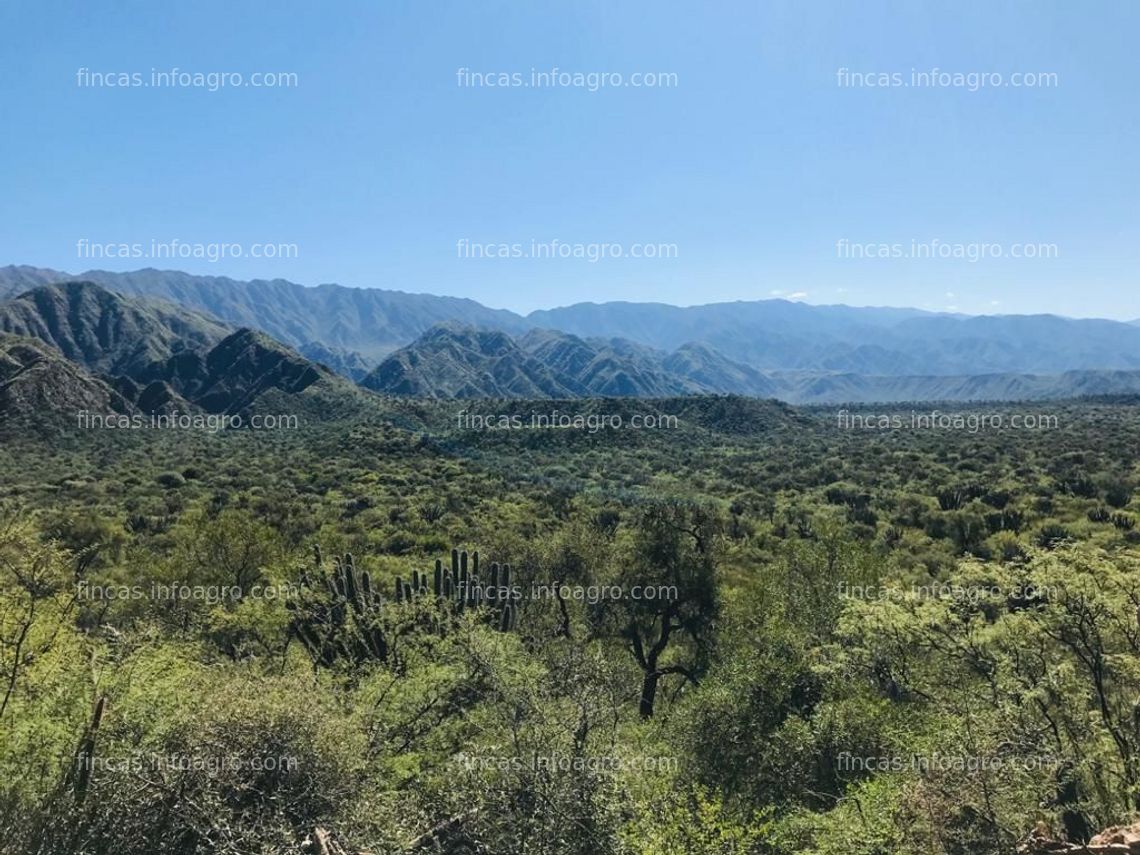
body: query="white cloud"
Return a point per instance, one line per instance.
(797, 295)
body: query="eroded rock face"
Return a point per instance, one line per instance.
(1118, 840)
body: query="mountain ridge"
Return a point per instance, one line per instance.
(745, 345)
(104, 331)
(452, 361)
(132, 354)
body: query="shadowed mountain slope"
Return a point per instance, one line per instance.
(160, 358)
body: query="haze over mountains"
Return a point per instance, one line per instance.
(453, 361)
(368, 322)
(156, 332)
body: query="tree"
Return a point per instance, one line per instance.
(669, 594)
(35, 597)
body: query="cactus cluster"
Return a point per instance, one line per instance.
(463, 588)
(341, 616)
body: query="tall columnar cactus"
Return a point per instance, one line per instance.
(340, 615)
(463, 588)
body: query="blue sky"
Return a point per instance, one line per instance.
(747, 173)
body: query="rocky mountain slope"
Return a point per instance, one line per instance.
(41, 390)
(107, 332)
(615, 368)
(370, 322)
(453, 361)
(389, 341)
(84, 348)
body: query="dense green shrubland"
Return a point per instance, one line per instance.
(881, 642)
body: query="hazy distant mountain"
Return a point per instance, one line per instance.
(372, 322)
(453, 361)
(1021, 343)
(16, 279)
(764, 334)
(106, 332)
(801, 388)
(756, 348)
(614, 368)
(777, 335)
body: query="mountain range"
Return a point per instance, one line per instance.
(153, 334)
(452, 361)
(352, 329)
(74, 346)
(104, 331)
(356, 323)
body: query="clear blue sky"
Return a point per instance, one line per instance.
(754, 165)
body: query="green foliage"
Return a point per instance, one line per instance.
(907, 643)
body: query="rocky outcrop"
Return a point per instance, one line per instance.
(1118, 840)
